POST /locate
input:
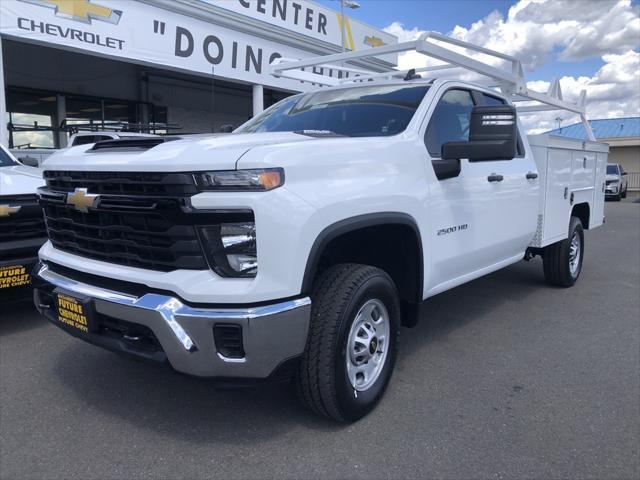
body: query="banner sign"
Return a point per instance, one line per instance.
(145, 33)
(310, 19)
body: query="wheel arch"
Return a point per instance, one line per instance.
(583, 212)
(394, 226)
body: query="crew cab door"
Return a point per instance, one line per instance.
(486, 214)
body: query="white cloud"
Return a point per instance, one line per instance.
(591, 28)
(613, 91)
(536, 31)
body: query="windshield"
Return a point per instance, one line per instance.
(6, 160)
(371, 111)
(612, 169)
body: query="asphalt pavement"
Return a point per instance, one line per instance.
(503, 378)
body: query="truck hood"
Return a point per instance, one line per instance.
(198, 152)
(20, 180)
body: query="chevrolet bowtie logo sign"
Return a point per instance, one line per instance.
(373, 41)
(82, 200)
(6, 210)
(80, 10)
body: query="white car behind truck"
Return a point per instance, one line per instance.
(298, 245)
(617, 182)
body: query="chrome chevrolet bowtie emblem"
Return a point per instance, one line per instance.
(82, 200)
(6, 210)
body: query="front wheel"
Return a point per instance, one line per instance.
(352, 342)
(562, 261)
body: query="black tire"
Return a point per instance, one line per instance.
(322, 380)
(556, 259)
(624, 194)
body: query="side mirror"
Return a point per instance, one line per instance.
(227, 128)
(624, 173)
(28, 161)
(493, 135)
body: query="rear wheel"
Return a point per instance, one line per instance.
(562, 261)
(352, 342)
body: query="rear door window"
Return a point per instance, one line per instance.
(491, 101)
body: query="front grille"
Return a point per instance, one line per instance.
(122, 183)
(25, 224)
(134, 228)
(135, 237)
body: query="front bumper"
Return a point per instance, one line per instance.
(181, 334)
(612, 189)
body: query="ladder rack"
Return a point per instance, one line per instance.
(508, 77)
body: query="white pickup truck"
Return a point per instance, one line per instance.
(299, 244)
(22, 230)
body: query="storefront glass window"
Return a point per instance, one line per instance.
(31, 117)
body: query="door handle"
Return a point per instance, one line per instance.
(531, 176)
(494, 177)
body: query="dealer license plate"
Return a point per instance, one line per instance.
(14, 276)
(75, 312)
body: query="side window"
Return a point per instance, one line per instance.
(491, 101)
(450, 121)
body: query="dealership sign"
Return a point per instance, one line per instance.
(309, 19)
(145, 33)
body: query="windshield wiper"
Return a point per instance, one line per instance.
(318, 133)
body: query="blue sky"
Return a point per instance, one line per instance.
(441, 15)
(444, 15)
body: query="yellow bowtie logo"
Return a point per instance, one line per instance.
(82, 200)
(6, 210)
(373, 41)
(80, 10)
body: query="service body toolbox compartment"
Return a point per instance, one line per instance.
(571, 172)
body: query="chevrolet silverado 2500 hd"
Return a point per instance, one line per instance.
(22, 230)
(300, 243)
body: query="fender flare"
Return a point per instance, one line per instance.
(352, 224)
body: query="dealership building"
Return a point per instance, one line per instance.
(174, 66)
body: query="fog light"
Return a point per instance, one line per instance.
(231, 249)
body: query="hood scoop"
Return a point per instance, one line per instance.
(131, 144)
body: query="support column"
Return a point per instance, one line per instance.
(258, 99)
(61, 114)
(4, 134)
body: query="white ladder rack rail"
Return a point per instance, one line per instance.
(510, 80)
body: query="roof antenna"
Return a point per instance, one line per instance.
(411, 75)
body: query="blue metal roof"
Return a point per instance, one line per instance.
(603, 128)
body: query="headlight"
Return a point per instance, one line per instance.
(231, 249)
(240, 180)
(614, 181)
